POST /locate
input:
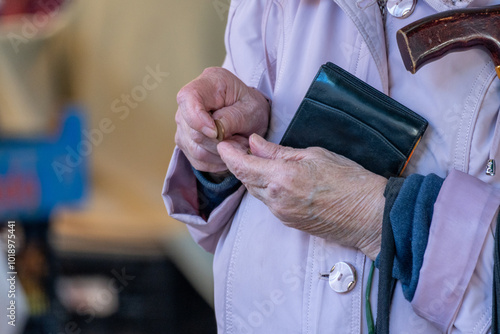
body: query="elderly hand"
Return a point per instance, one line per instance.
(313, 190)
(217, 94)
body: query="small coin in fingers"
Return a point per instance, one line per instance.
(220, 130)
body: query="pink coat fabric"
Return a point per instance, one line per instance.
(268, 276)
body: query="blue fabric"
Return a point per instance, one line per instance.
(212, 194)
(387, 283)
(411, 217)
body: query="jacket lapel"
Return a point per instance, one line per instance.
(367, 18)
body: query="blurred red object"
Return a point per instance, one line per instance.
(17, 7)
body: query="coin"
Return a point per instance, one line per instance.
(220, 130)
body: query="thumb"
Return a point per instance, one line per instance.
(266, 149)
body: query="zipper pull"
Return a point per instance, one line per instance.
(491, 167)
(495, 145)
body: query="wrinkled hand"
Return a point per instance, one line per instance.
(217, 94)
(313, 190)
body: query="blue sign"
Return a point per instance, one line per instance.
(37, 174)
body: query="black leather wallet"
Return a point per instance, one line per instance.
(345, 115)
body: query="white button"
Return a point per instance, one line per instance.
(342, 277)
(401, 8)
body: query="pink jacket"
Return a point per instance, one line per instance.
(268, 276)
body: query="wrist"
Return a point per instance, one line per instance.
(371, 241)
(218, 177)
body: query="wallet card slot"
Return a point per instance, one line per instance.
(317, 124)
(372, 92)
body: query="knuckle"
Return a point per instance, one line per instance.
(197, 137)
(180, 140)
(197, 152)
(212, 71)
(178, 118)
(239, 117)
(274, 190)
(188, 147)
(188, 92)
(183, 93)
(180, 135)
(177, 139)
(237, 170)
(275, 152)
(209, 70)
(289, 176)
(316, 151)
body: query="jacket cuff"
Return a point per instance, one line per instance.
(211, 194)
(180, 195)
(463, 212)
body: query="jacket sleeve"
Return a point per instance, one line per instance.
(247, 58)
(455, 284)
(251, 41)
(180, 195)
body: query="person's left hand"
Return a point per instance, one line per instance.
(313, 190)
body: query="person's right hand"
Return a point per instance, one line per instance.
(217, 94)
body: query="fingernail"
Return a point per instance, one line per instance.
(255, 138)
(209, 132)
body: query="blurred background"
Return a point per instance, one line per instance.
(87, 105)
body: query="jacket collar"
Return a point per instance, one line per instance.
(368, 20)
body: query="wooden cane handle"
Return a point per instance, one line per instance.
(433, 37)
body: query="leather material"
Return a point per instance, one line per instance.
(345, 115)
